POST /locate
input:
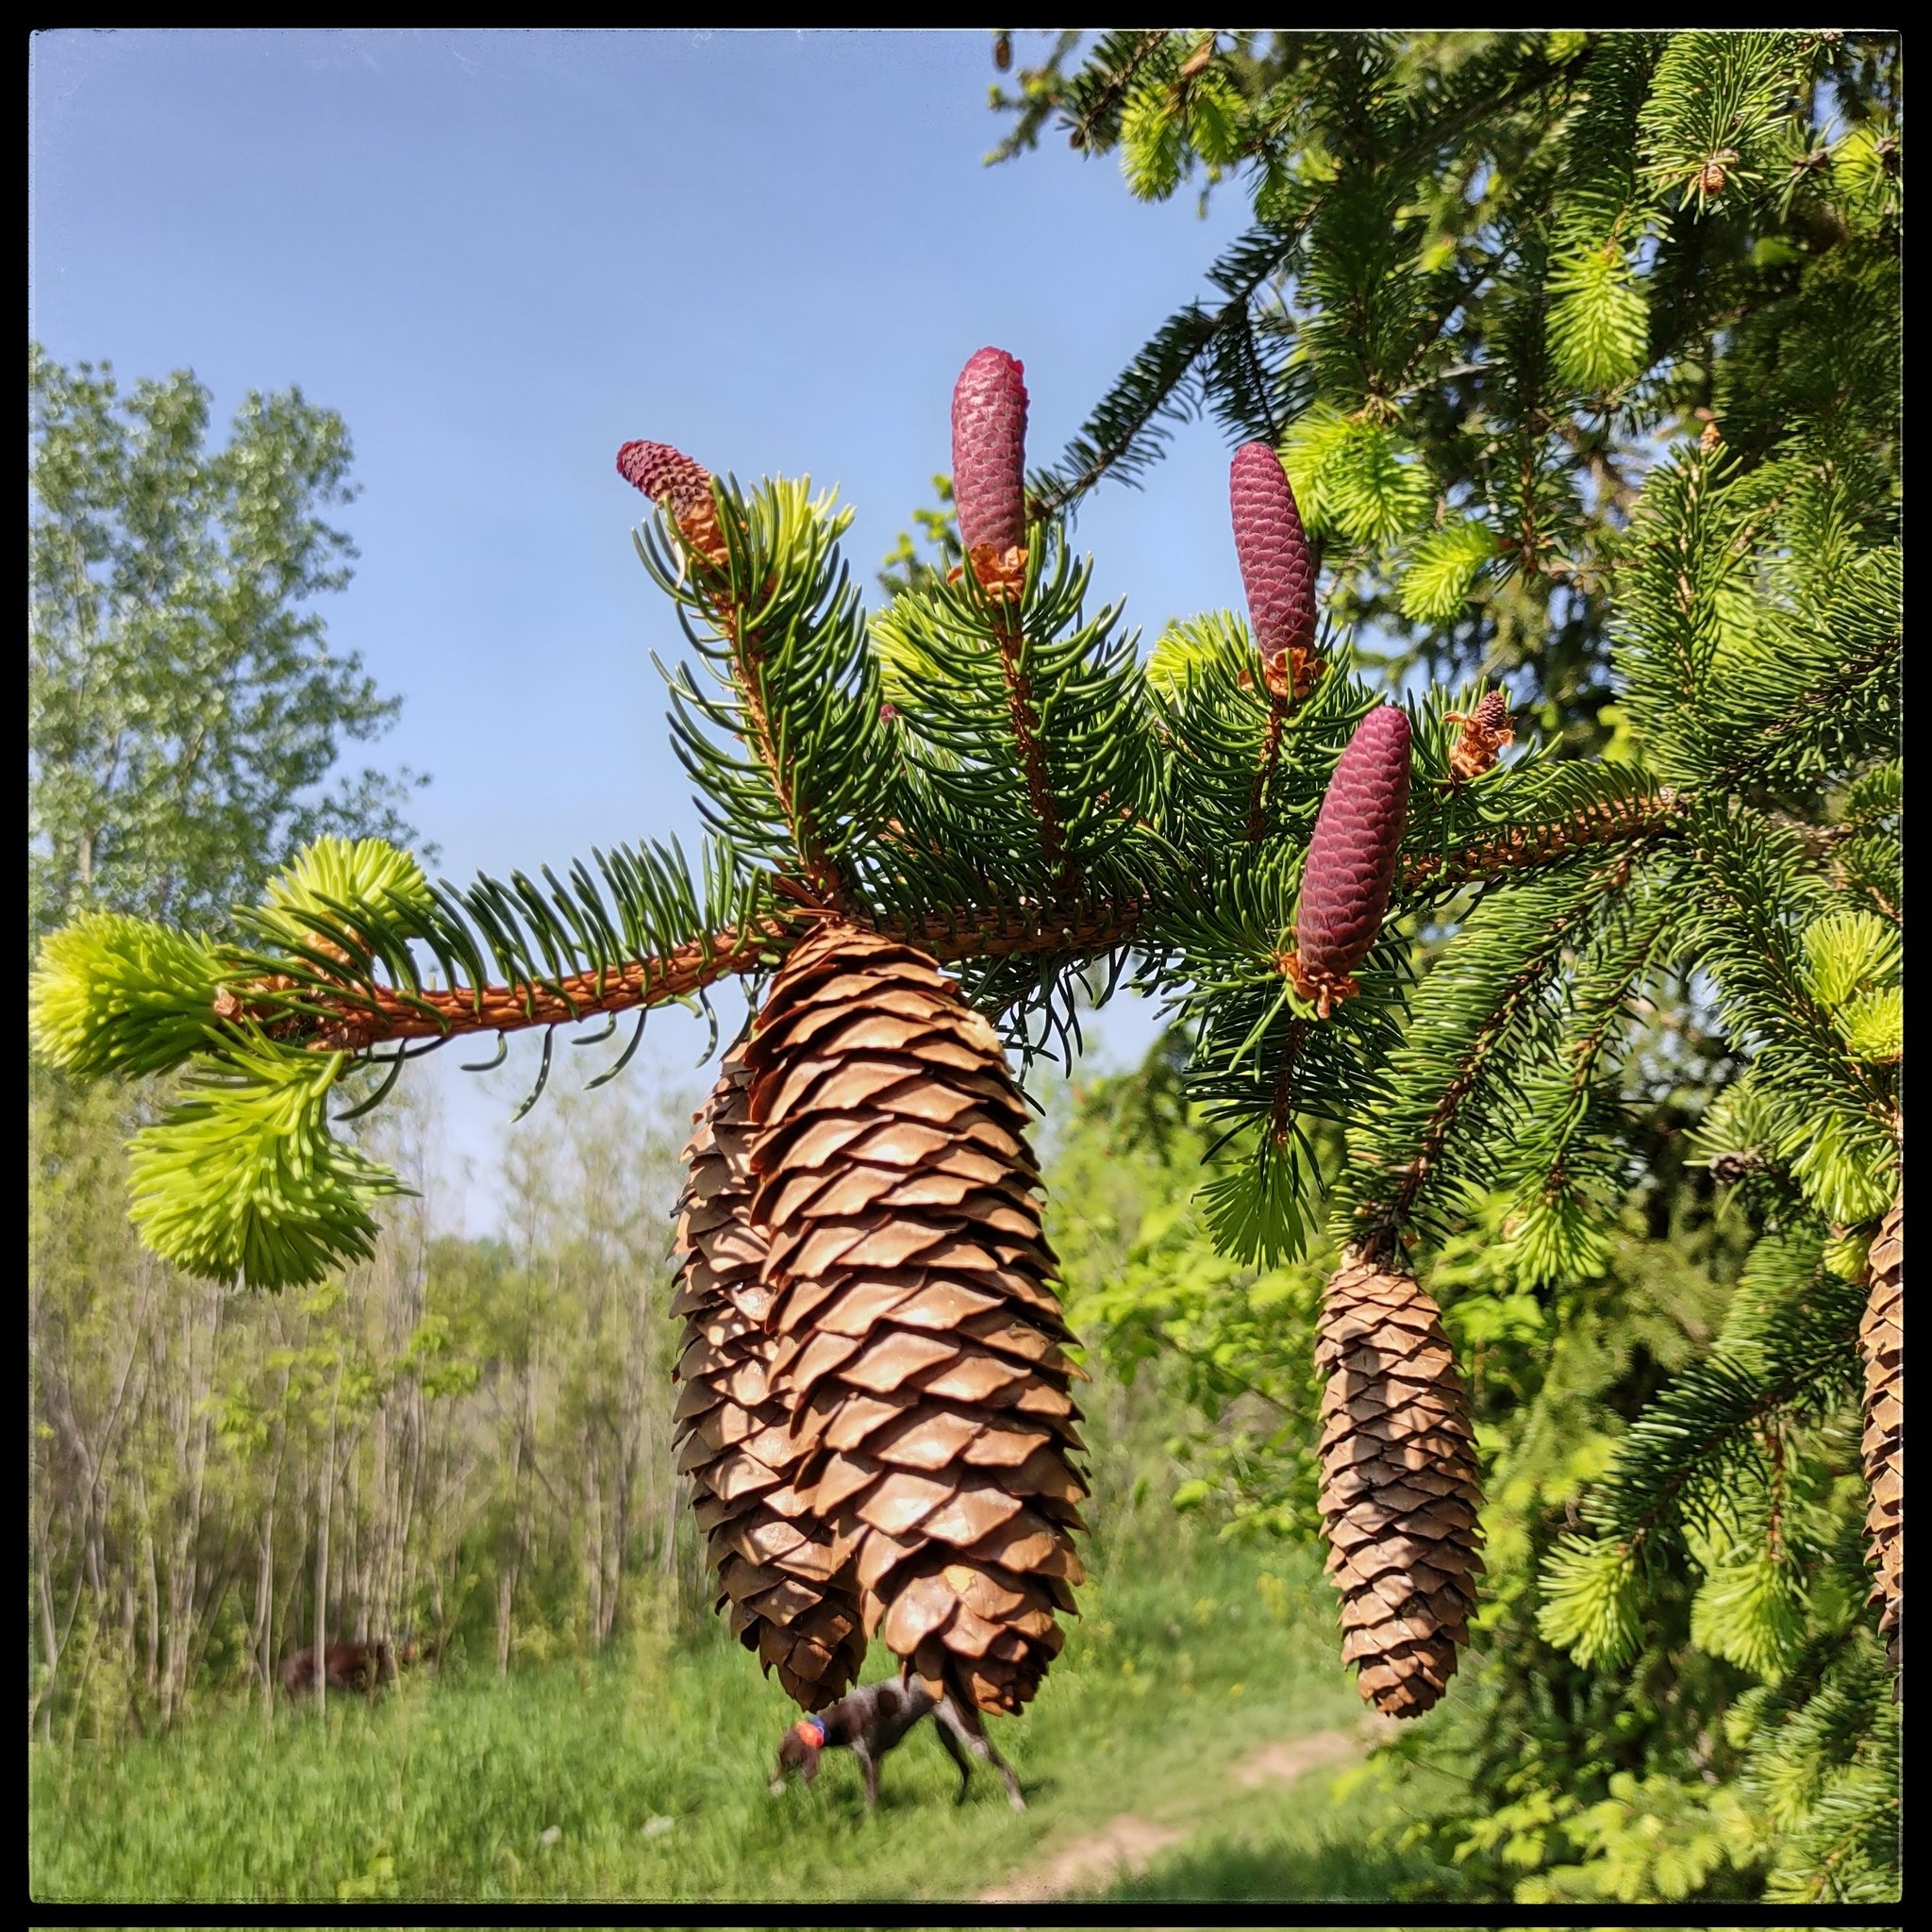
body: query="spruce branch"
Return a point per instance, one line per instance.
(1837, 709)
(1632, 818)
(766, 601)
(1677, 1471)
(1279, 706)
(354, 1019)
(1026, 736)
(1097, 94)
(1281, 1113)
(1454, 1079)
(1194, 352)
(1674, 1465)
(1124, 436)
(1571, 1158)
(1756, 923)
(347, 981)
(1023, 711)
(1236, 753)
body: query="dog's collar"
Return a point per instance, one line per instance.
(813, 1731)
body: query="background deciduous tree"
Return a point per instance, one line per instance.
(185, 711)
(187, 716)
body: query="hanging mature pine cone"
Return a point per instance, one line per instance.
(989, 467)
(776, 1562)
(1881, 1339)
(1399, 1485)
(1350, 862)
(917, 1338)
(1277, 570)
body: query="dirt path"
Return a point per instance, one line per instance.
(1126, 1844)
(1284, 1762)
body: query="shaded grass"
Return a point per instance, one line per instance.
(558, 1783)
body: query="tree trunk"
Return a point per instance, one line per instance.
(263, 1632)
(194, 1426)
(151, 1577)
(324, 1505)
(42, 1701)
(260, 1626)
(507, 1574)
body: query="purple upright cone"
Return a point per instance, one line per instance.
(1277, 571)
(683, 487)
(1351, 863)
(665, 475)
(990, 452)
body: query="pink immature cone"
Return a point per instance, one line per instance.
(989, 466)
(1350, 862)
(670, 477)
(1277, 571)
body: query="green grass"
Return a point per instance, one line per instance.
(447, 1791)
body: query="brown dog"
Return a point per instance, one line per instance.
(870, 1721)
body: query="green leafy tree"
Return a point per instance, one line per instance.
(185, 711)
(1419, 983)
(186, 718)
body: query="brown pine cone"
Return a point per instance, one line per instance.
(776, 1563)
(917, 1339)
(1881, 1340)
(1400, 1490)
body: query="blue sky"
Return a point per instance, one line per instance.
(501, 255)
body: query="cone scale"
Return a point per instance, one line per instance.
(917, 1339)
(777, 1567)
(1400, 1488)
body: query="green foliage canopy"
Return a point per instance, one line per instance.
(185, 709)
(1487, 274)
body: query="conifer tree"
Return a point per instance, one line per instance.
(1489, 278)
(1525, 261)
(1483, 272)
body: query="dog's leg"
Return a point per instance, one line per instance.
(945, 1737)
(869, 1766)
(962, 1719)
